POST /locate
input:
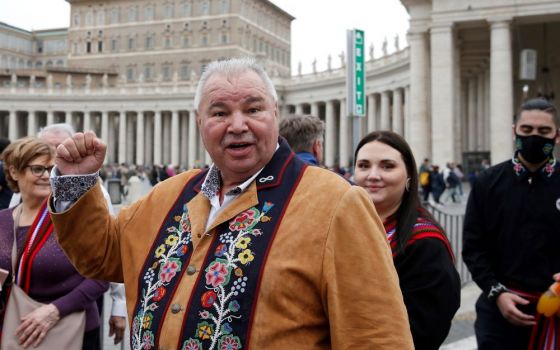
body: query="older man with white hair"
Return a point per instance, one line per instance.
(260, 251)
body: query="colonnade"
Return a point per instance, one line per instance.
(141, 137)
(385, 110)
(451, 107)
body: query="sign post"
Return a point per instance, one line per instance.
(355, 82)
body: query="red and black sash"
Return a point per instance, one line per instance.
(546, 330)
(423, 228)
(37, 235)
(220, 309)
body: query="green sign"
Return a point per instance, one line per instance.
(355, 74)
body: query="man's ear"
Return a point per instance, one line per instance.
(558, 135)
(198, 119)
(316, 148)
(513, 131)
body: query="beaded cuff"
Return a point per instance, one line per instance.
(71, 188)
(496, 290)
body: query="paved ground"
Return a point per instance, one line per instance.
(461, 335)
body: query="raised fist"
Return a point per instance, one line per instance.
(80, 154)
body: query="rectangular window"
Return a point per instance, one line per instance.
(114, 45)
(186, 41)
(149, 43)
(100, 46)
(166, 73)
(88, 47)
(131, 43)
(167, 43)
(184, 72)
(148, 73)
(130, 74)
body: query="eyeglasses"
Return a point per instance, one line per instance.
(39, 170)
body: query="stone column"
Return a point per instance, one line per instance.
(471, 113)
(397, 111)
(480, 113)
(501, 91)
(486, 110)
(32, 123)
(299, 108)
(385, 123)
(12, 126)
(122, 137)
(184, 137)
(88, 115)
(407, 112)
(148, 138)
(111, 138)
(419, 135)
(130, 131)
(192, 138)
(166, 137)
(330, 134)
(443, 94)
(282, 111)
(344, 158)
(50, 117)
(315, 109)
(175, 137)
(105, 132)
(371, 112)
(68, 118)
(140, 138)
(157, 138)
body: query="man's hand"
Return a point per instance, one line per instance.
(35, 325)
(117, 325)
(80, 154)
(507, 303)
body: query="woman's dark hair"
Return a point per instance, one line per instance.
(410, 207)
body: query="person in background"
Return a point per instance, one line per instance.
(304, 134)
(259, 251)
(437, 183)
(424, 179)
(5, 192)
(385, 167)
(53, 135)
(53, 280)
(512, 235)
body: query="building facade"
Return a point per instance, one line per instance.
(130, 69)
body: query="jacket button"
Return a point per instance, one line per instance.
(191, 270)
(175, 308)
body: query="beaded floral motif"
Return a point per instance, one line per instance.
(226, 281)
(547, 169)
(155, 280)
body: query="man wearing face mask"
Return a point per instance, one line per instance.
(511, 238)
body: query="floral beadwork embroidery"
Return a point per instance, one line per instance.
(226, 281)
(163, 271)
(547, 169)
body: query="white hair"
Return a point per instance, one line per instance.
(57, 128)
(229, 67)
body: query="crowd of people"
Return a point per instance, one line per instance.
(267, 249)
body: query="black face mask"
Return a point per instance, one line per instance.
(535, 148)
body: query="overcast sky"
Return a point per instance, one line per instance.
(318, 30)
